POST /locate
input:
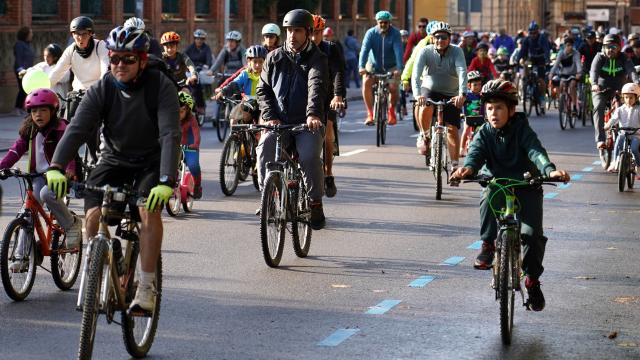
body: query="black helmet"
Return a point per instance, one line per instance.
(81, 23)
(500, 89)
(298, 18)
(55, 50)
(590, 34)
(611, 39)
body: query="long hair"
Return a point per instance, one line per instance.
(28, 128)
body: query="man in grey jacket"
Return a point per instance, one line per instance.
(295, 72)
(141, 138)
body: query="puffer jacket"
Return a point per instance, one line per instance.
(287, 80)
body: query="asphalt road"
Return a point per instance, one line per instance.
(351, 299)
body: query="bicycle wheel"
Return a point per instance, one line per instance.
(18, 284)
(438, 165)
(506, 288)
(573, 115)
(377, 120)
(383, 126)
(229, 165)
(187, 205)
(562, 111)
(631, 174)
(173, 205)
(525, 98)
(605, 157)
(273, 222)
(65, 264)
(91, 304)
(138, 332)
(413, 115)
(300, 228)
(223, 124)
(623, 168)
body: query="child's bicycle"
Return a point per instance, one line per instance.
(183, 191)
(507, 268)
(27, 241)
(626, 160)
(606, 153)
(473, 123)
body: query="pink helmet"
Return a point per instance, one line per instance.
(327, 32)
(41, 97)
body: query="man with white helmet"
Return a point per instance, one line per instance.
(155, 48)
(231, 57)
(271, 36)
(200, 53)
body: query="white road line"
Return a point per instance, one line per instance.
(356, 130)
(354, 152)
(414, 135)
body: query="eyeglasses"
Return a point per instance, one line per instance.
(441, 37)
(126, 59)
(611, 47)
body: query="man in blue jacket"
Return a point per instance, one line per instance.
(381, 52)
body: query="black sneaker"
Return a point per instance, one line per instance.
(484, 261)
(317, 216)
(197, 192)
(536, 298)
(330, 186)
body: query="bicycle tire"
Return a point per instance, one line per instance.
(10, 237)
(525, 97)
(244, 161)
(135, 348)
(272, 226)
(223, 124)
(631, 175)
(562, 112)
(65, 266)
(572, 118)
(173, 205)
(300, 227)
(623, 165)
(376, 120)
(506, 288)
(187, 205)
(438, 165)
(90, 304)
(413, 115)
(229, 168)
(383, 129)
(605, 157)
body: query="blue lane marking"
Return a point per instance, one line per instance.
(421, 281)
(564, 186)
(550, 195)
(476, 245)
(576, 177)
(453, 261)
(337, 337)
(588, 168)
(383, 307)
(597, 162)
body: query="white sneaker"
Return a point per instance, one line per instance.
(74, 234)
(18, 266)
(454, 166)
(145, 298)
(421, 145)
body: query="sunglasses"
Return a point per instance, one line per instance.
(125, 59)
(441, 37)
(611, 47)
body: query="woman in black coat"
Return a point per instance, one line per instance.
(24, 56)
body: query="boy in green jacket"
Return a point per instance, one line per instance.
(507, 147)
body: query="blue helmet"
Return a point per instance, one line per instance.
(383, 15)
(256, 51)
(128, 39)
(533, 26)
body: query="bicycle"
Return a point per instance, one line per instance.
(109, 280)
(606, 153)
(401, 105)
(565, 105)
(183, 191)
(72, 101)
(380, 101)
(438, 159)
(626, 160)
(48, 239)
(474, 122)
(285, 199)
(530, 91)
(238, 159)
(413, 114)
(585, 100)
(507, 269)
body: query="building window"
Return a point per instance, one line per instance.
(202, 7)
(362, 8)
(234, 9)
(171, 6)
(44, 9)
(129, 7)
(345, 9)
(3, 7)
(476, 5)
(392, 8)
(376, 6)
(91, 7)
(261, 9)
(327, 9)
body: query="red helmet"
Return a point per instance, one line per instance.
(327, 32)
(41, 97)
(169, 37)
(318, 22)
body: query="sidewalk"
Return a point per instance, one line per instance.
(9, 125)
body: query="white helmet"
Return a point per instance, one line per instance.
(404, 32)
(614, 30)
(135, 22)
(199, 33)
(234, 35)
(271, 28)
(631, 88)
(440, 27)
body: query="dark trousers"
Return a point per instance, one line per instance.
(352, 72)
(531, 233)
(21, 94)
(599, 103)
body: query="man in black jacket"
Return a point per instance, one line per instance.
(291, 74)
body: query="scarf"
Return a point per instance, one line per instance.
(85, 53)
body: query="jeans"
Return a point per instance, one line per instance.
(635, 148)
(351, 72)
(599, 103)
(192, 159)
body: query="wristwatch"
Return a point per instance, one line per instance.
(167, 180)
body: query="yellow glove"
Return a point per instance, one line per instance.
(158, 197)
(57, 182)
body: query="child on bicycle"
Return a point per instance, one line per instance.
(179, 63)
(472, 106)
(482, 63)
(191, 140)
(507, 147)
(626, 115)
(38, 136)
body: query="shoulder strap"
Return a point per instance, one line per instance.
(109, 95)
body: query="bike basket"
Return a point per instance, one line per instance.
(204, 79)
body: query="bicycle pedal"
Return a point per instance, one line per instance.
(139, 312)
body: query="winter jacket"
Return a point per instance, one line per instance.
(24, 56)
(86, 71)
(179, 66)
(588, 54)
(485, 67)
(537, 50)
(612, 73)
(506, 41)
(336, 69)
(52, 136)
(201, 56)
(383, 51)
(412, 41)
(246, 83)
(288, 79)
(508, 152)
(351, 48)
(230, 61)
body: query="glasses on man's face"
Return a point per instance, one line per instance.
(125, 59)
(611, 47)
(441, 37)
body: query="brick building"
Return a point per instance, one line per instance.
(50, 19)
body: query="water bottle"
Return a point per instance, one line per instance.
(118, 259)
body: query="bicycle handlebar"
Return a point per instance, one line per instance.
(280, 128)
(120, 194)
(441, 102)
(485, 181)
(7, 173)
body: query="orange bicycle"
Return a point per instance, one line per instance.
(27, 241)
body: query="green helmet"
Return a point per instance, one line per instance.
(502, 51)
(383, 15)
(185, 99)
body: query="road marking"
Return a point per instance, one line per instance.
(357, 130)
(597, 162)
(354, 152)
(383, 307)
(564, 186)
(576, 177)
(476, 245)
(414, 135)
(246, 183)
(550, 195)
(453, 261)
(421, 281)
(337, 337)
(588, 168)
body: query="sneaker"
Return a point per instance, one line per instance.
(145, 299)
(536, 298)
(484, 261)
(454, 166)
(421, 145)
(601, 145)
(197, 192)
(330, 186)
(19, 266)
(318, 220)
(391, 114)
(74, 234)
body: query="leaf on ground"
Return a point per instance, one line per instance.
(340, 286)
(613, 335)
(627, 344)
(627, 299)
(585, 277)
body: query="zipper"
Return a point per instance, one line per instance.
(383, 68)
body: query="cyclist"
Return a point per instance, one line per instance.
(609, 71)
(482, 63)
(381, 52)
(472, 107)
(404, 38)
(138, 108)
(200, 54)
(504, 40)
(508, 148)
(271, 36)
(440, 73)
(627, 115)
(568, 64)
(468, 46)
(231, 58)
(535, 48)
(39, 135)
(179, 63)
(408, 66)
(501, 63)
(299, 68)
(336, 95)
(352, 49)
(190, 139)
(590, 47)
(415, 37)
